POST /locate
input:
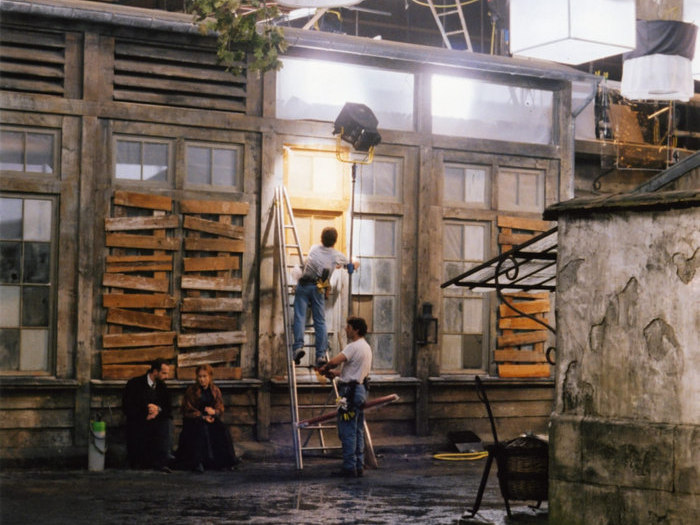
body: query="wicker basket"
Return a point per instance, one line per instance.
(526, 466)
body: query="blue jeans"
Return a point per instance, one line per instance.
(305, 294)
(352, 431)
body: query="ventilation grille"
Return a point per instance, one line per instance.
(32, 61)
(168, 76)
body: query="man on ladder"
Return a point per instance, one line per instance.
(312, 288)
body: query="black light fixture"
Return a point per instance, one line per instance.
(357, 125)
(426, 326)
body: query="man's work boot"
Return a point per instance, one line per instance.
(298, 354)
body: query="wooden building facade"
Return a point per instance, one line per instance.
(137, 181)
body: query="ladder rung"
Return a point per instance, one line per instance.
(322, 448)
(448, 13)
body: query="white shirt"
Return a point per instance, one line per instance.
(359, 361)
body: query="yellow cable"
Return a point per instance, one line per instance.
(449, 6)
(461, 456)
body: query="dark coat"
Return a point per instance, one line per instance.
(148, 442)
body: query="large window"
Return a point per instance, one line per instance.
(27, 151)
(142, 160)
(375, 285)
(318, 90)
(463, 343)
(26, 282)
(466, 107)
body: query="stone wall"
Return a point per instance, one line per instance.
(625, 433)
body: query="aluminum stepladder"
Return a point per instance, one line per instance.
(442, 12)
(291, 255)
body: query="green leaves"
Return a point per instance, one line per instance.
(238, 34)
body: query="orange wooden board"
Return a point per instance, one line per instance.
(143, 200)
(534, 370)
(137, 355)
(134, 300)
(214, 207)
(138, 339)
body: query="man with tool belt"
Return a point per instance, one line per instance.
(312, 288)
(356, 360)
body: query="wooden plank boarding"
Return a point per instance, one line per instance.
(135, 282)
(208, 322)
(204, 264)
(220, 372)
(210, 339)
(220, 355)
(140, 319)
(222, 304)
(229, 284)
(146, 242)
(137, 355)
(213, 227)
(519, 370)
(123, 371)
(123, 300)
(143, 200)
(214, 245)
(141, 223)
(138, 339)
(214, 207)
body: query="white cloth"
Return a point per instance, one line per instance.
(322, 258)
(359, 361)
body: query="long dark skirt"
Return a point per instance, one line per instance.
(209, 444)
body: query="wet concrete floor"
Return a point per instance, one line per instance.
(405, 489)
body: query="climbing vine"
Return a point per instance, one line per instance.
(238, 33)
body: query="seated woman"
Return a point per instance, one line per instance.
(205, 442)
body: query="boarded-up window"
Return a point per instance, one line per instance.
(463, 345)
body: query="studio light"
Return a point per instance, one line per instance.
(571, 31)
(357, 125)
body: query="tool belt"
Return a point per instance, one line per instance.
(347, 409)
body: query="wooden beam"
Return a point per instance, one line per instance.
(141, 223)
(197, 244)
(147, 242)
(225, 284)
(204, 264)
(140, 319)
(137, 355)
(214, 227)
(522, 338)
(143, 200)
(208, 322)
(138, 339)
(219, 304)
(211, 338)
(220, 355)
(534, 370)
(135, 282)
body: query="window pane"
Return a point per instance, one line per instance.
(9, 306)
(128, 160)
(37, 262)
(40, 152)
(9, 348)
(384, 238)
(34, 350)
(382, 350)
(472, 351)
(10, 218)
(521, 190)
(453, 314)
(474, 108)
(198, 165)
(452, 242)
(450, 358)
(37, 220)
(475, 185)
(454, 184)
(384, 275)
(10, 257)
(224, 168)
(155, 161)
(474, 242)
(12, 150)
(472, 315)
(383, 314)
(35, 306)
(318, 90)
(362, 277)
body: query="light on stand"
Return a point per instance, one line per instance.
(357, 125)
